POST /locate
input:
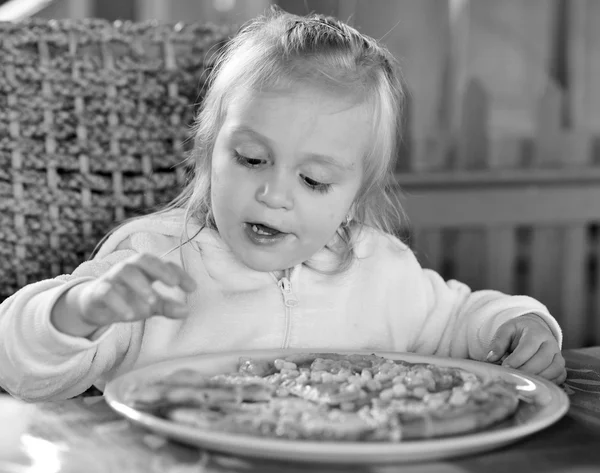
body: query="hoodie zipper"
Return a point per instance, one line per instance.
(290, 301)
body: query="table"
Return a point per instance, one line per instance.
(84, 434)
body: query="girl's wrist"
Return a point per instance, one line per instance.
(66, 315)
(539, 318)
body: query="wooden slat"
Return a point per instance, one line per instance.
(595, 296)
(549, 144)
(500, 177)
(593, 51)
(574, 308)
(501, 258)
(522, 259)
(428, 247)
(581, 97)
(80, 8)
(152, 10)
(584, 64)
(473, 141)
(469, 258)
(578, 147)
(416, 32)
(510, 52)
(500, 206)
(505, 151)
(458, 75)
(546, 275)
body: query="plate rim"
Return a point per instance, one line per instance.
(331, 451)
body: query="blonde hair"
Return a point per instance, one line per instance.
(278, 50)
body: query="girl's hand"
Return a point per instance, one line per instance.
(129, 291)
(527, 343)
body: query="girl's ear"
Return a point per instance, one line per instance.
(350, 215)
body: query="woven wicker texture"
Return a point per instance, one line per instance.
(94, 122)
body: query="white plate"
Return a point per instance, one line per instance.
(12, 467)
(15, 418)
(550, 404)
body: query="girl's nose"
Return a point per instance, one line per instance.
(275, 193)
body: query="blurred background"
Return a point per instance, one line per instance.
(501, 153)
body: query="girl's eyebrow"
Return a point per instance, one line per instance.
(315, 157)
(329, 161)
(246, 130)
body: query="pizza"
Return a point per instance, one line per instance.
(330, 397)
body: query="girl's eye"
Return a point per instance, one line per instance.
(248, 162)
(316, 185)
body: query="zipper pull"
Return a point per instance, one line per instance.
(289, 298)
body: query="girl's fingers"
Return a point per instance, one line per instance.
(540, 361)
(171, 309)
(146, 286)
(164, 271)
(560, 379)
(131, 279)
(107, 306)
(556, 372)
(504, 340)
(145, 300)
(526, 348)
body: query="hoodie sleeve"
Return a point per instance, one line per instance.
(433, 316)
(37, 362)
(462, 323)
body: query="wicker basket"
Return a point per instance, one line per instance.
(94, 125)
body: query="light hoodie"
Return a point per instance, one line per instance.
(384, 302)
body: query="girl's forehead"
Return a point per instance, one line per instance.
(309, 100)
(305, 122)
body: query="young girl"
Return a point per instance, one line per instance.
(281, 240)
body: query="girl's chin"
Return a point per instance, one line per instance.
(266, 262)
(266, 266)
(268, 257)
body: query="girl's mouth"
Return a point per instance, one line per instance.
(261, 234)
(261, 229)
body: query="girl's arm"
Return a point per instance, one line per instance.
(38, 362)
(462, 323)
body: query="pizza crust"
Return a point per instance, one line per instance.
(331, 397)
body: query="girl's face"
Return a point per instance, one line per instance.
(286, 168)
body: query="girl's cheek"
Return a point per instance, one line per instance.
(215, 174)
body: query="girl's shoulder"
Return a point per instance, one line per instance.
(371, 242)
(381, 253)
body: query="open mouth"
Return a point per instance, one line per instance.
(264, 230)
(260, 233)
